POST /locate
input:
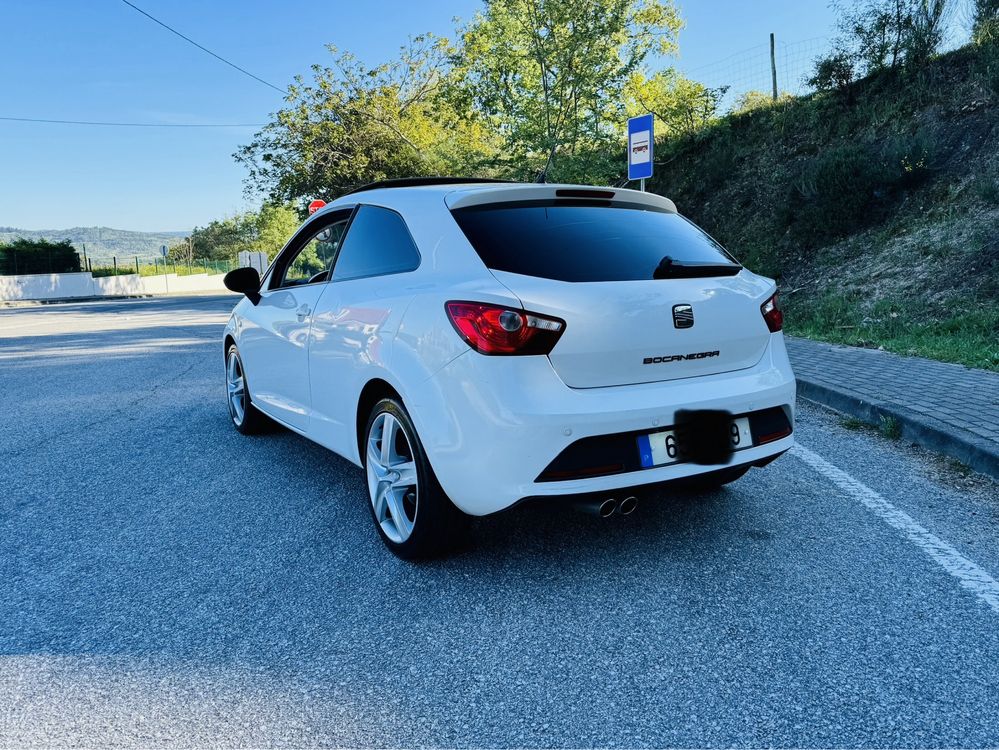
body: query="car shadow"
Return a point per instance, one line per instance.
(554, 528)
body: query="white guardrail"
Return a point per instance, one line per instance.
(46, 286)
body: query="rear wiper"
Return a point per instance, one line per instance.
(670, 269)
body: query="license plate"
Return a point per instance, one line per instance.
(663, 448)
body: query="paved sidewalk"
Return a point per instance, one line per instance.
(948, 408)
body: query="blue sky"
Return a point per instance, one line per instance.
(101, 60)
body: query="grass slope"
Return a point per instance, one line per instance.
(876, 208)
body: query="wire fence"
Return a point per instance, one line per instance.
(19, 263)
(116, 265)
(749, 69)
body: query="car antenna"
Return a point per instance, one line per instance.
(543, 174)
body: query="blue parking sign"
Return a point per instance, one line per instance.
(640, 147)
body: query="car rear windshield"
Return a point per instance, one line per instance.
(591, 241)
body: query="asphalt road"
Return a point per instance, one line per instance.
(165, 581)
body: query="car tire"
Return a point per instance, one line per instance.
(413, 515)
(244, 415)
(714, 480)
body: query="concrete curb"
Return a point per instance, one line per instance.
(975, 452)
(69, 300)
(112, 298)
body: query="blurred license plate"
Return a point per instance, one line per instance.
(662, 448)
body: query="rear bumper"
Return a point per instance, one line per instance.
(490, 425)
(641, 490)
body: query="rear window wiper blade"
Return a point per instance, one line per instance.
(671, 269)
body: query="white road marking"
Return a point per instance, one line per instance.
(970, 575)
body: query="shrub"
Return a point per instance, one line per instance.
(718, 162)
(833, 73)
(985, 22)
(905, 162)
(846, 186)
(834, 192)
(987, 188)
(38, 256)
(987, 33)
(755, 100)
(890, 427)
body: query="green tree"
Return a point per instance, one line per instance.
(551, 75)
(926, 33)
(221, 239)
(179, 251)
(833, 72)
(274, 226)
(266, 230)
(884, 34)
(679, 104)
(354, 124)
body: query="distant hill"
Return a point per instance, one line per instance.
(101, 242)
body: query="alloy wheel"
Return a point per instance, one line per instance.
(392, 477)
(236, 388)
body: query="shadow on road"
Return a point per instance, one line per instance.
(57, 349)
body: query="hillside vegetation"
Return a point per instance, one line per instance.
(876, 206)
(100, 241)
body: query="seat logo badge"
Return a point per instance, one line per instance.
(683, 316)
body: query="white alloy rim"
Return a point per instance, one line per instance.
(392, 483)
(236, 387)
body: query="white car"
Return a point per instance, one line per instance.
(472, 344)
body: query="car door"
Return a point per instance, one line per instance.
(358, 318)
(278, 331)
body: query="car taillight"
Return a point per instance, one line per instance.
(772, 314)
(494, 329)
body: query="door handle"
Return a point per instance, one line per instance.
(303, 313)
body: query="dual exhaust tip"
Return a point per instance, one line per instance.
(607, 507)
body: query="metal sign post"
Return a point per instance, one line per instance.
(640, 144)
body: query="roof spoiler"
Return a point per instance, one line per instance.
(535, 192)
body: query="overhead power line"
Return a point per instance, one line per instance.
(188, 39)
(135, 124)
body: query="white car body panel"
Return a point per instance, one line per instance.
(491, 424)
(277, 331)
(612, 327)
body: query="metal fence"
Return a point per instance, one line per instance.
(18, 263)
(117, 265)
(750, 69)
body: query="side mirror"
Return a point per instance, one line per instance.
(244, 281)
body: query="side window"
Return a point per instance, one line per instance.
(312, 262)
(377, 244)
